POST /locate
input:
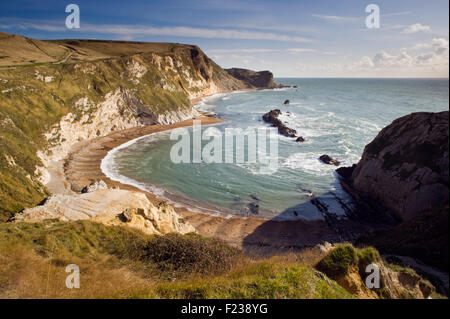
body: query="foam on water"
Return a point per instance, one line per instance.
(337, 117)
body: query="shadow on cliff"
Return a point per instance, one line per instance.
(327, 217)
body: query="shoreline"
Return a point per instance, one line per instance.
(254, 235)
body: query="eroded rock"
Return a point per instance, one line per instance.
(110, 207)
(272, 117)
(94, 186)
(329, 160)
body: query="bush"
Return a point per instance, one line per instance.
(338, 261)
(190, 253)
(367, 256)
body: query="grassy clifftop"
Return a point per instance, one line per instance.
(117, 262)
(43, 81)
(120, 262)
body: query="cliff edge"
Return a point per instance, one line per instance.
(406, 167)
(254, 79)
(405, 170)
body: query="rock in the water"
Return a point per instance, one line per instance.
(272, 117)
(300, 139)
(253, 208)
(406, 167)
(329, 160)
(286, 102)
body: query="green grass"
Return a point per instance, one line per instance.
(263, 280)
(338, 261)
(119, 262)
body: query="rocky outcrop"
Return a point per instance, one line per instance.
(110, 207)
(329, 160)
(347, 265)
(253, 79)
(404, 173)
(272, 117)
(94, 186)
(406, 167)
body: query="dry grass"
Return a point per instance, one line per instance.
(116, 262)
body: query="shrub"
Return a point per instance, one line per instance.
(366, 256)
(190, 253)
(338, 261)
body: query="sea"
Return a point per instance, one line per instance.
(335, 116)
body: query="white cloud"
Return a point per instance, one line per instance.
(191, 32)
(299, 50)
(177, 31)
(439, 44)
(395, 14)
(290, 50)
(417, 27)
(242, 50)
(433, 62)
(338, 18)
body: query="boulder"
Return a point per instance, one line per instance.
(329, 160)
(286, 102)
(300, 139)
(94, 186)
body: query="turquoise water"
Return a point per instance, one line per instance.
(337, 117)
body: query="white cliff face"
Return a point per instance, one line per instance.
(110, 115)
(111, 207)
(115, 113)
(121, 109)
(135, 70)
(196, 87)
(174, 117)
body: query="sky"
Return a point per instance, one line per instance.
(291, 38)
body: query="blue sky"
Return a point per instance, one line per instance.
(291, 38)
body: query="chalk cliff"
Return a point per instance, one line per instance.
(54, 94)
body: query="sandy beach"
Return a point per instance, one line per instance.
(253, 235)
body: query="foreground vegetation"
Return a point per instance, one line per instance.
(117, 262)
(120, 262)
